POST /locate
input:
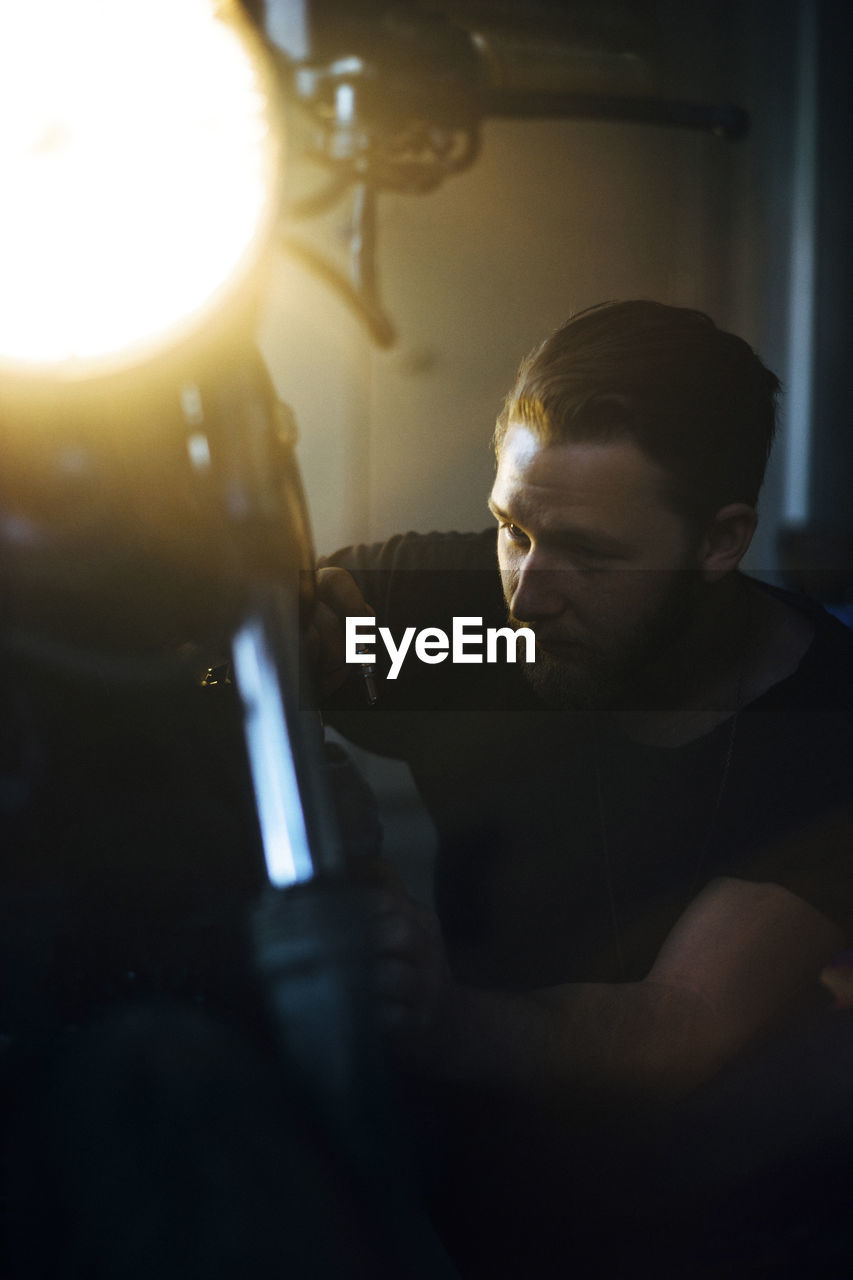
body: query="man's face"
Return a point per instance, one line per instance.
(593, 559)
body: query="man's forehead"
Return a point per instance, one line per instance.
(602, 474)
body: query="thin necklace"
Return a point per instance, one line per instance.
(712, 818)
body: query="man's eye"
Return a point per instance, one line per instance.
(515, 534)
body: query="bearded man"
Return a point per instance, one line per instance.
(644, 844)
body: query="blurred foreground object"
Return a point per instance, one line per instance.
(164, 839)
(148, 497)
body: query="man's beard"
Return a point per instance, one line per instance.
(589, 678)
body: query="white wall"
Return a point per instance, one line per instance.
(553, 217)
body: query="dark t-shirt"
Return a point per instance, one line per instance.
(566, 852)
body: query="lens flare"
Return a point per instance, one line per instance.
(139, 168)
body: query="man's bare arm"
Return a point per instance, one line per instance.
(741, 957)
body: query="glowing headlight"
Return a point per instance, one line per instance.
(138, 168)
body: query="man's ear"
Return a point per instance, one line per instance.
(726, 540)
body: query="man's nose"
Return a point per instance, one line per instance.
(540, 592)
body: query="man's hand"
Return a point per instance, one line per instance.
(411, 974)
(338, 598)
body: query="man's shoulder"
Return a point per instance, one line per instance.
(425, 579)
(823, 679)
(409, 552)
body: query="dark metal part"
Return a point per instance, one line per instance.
(726, 121)
(365, 305)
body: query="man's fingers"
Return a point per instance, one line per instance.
(337, 598)
(397, 1020)
(410, 973)
(337, 589)
(395, 934)
(326, 638)
(397, 982)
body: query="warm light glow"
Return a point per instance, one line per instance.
(137, 169)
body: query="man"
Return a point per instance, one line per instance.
(643, 838)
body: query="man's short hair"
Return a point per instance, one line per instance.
(696, 399)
